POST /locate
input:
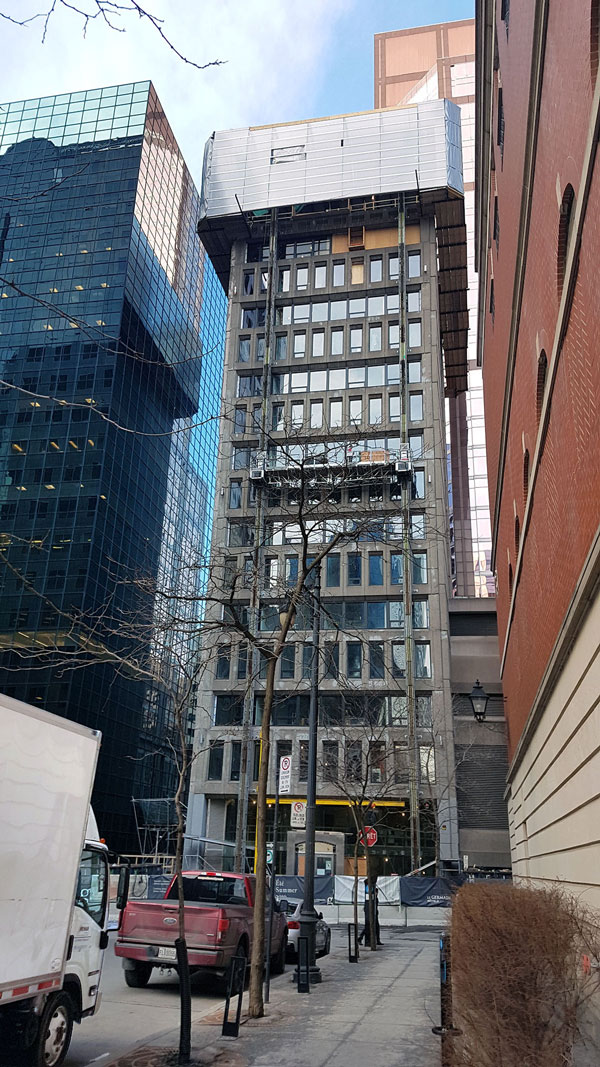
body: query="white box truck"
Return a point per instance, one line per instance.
(54, 883)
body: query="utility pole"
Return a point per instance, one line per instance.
(308, 915)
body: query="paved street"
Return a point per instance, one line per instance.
(377, 1013)
(130, 1016)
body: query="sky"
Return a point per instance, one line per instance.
(282, 59)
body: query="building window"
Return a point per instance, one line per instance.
(422, 659)
(414, 264)
(330, 761)
(492, 301)
(542, 371)
(281, 346)
(236, 759)
(396, 568)
(318, 344)
(413, 300)
(414, 371)
(215, 761)
(239, 425)
(320, 276)
(357, 274)
(302, 277)
(354, 659)
(496, 223)
(248, 282)
(500, 129)
(401, 763)
(277, 417)
(307, 659)
(525, 476)
(287, 662)
(377, 761)
(415, 407)
(594, 39)
(375, 338)
(419, 568)
(223, 660)
(355, 410)
(564, 233)
(332, 570)
(414, 334)
(427, 764)
(335, 413)
(375, 410)
(354, 568)
(235, 495)
(420, 614)
(337, 342)
(354, 761)
(303, 761)
(242, 662)
(244, 350)
(316, 414)
(393, 267)
(297, 415)
(517, 534)
(331, 660)
(356, 338)
(283, 285)
(375, 569)
(339, 273)
(376, 661)
(299, 345)
(376, 269)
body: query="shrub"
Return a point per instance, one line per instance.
(522, 969)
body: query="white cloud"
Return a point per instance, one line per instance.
(276, 54)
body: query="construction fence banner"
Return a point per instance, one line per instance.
(417, 892)
(388, 889)
(290, 887)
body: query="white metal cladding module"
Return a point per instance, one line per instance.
(392, 150)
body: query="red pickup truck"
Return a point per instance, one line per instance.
(218, 926)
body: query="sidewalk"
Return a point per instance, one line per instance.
(377, 1013)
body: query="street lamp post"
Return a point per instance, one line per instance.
(479, 699)
(308, 915)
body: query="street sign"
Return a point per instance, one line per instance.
(371, 835)
(298, 815)
(269, 855)
(285, 774)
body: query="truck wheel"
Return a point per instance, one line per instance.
(54, 1032)
(241, 950)
(138, 976)
(278, 961)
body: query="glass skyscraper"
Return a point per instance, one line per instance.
(111, 330)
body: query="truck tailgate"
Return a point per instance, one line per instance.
(156, 922)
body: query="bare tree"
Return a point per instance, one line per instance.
(111, 13)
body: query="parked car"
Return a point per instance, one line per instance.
(218, 926)
(323, 934)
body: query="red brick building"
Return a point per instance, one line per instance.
(537, 245)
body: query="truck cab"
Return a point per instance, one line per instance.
(88, 936)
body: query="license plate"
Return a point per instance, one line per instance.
(167, 954)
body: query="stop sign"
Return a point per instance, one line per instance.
(371, 836)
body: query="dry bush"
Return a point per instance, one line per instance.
(520, 975)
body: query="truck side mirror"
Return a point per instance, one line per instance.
(284, 907)
(123, 888)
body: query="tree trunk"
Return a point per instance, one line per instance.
(183, 967)
(256, 1007)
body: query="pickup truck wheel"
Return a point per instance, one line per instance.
(53, 1033)
(241, 950)
(278, 961)
(138, 976)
